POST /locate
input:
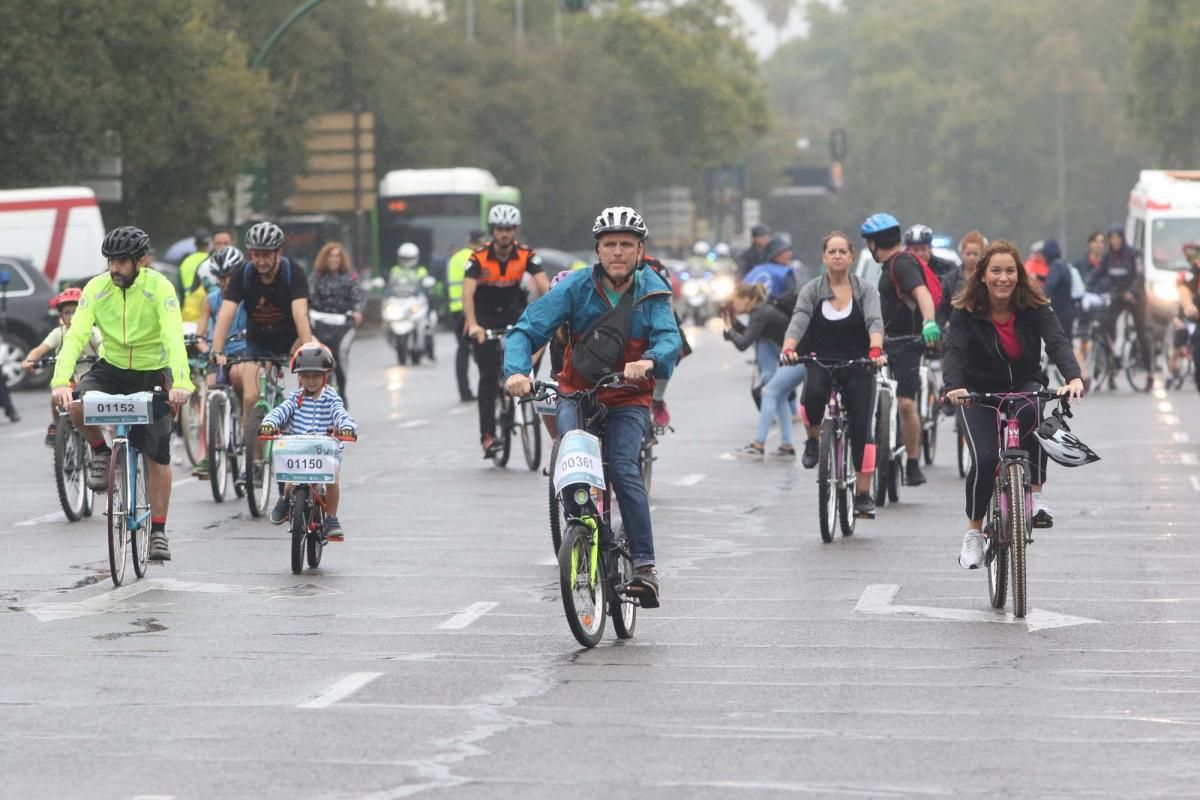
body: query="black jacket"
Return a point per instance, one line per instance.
(767, 321)
(973, 359)
(1119, 272)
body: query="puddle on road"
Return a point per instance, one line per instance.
(147, 625)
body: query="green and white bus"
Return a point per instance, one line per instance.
(434, 209)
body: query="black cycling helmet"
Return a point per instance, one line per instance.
(313, 357)
(125, 242)
(264, 236)
(224, 261)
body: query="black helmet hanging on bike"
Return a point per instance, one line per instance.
(224, 261)
(1062, 445)
(125, 242)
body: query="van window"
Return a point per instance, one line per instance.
(18, 282)
(1166, 240)
(1139, 235)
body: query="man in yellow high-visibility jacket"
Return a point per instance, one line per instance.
(456, 270)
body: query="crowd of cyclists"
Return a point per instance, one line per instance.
(994, 321)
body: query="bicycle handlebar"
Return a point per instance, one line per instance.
(611, 380)
(837, 363)
(496, 333)
(272, 437)
(49, 361)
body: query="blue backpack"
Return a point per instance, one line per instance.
(778, 278)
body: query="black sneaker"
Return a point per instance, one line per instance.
(645, 586)
(864, 505)
(912, 474)
(51, 435)
(491, 445)
(809, 459)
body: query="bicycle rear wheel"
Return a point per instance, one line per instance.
(531, 434)
(622, 609)
(70, 469)
(1018, 529)
(929, 428)
(996, 557)
(557, 517)
(1137, 372)
(883, 445)
(299, 526)
(218, 439)
(583, 598)
(258, 466)
(895, 478)
(118, 509)
(139, 535)
(964, 452)
(191, 425)
(826, 488)
(504, 421)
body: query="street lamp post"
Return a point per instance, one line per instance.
(263, 52)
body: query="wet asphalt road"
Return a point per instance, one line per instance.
(429, 654)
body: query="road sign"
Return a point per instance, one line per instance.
(340, 169)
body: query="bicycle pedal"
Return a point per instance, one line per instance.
(864, 515)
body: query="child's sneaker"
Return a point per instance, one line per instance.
(333, 530)
(281, 511)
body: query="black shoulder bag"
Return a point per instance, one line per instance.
(601, 349)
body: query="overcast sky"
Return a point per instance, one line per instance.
(760, 32)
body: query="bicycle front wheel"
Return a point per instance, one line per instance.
(258, 466)
(299, 527)
(582, 594)
(531, 435)
(826, 490)
(1137, 372)
(70, 469)
(844, 470)
(1019, 524)
(930, 427)
(192, 427)
(139, 534)
(218, 438)
(118, 512)
(996, 557)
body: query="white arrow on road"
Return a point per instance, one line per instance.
(114, 600)
(877, 599)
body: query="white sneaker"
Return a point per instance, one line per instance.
(971, 555)
(1042, 518)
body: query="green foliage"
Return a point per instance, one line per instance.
(953, 107)
(1165, 65)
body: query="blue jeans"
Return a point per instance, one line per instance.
(624, 429)
(766, 352)
(775, 402)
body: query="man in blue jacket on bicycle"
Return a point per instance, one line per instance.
(652, 346)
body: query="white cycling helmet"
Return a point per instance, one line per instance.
(619, 219)
(408, 252)
(504, 216)
(701, 248)
(722, 250)
(1062, 445)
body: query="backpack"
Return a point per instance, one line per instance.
(778, 278)
(932, 282)
(285, 267)
(602, 346)
(1078, 287)
(786, 302)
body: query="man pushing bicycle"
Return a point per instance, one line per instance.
(621, 320)
(141, 333)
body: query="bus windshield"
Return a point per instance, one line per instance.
(1167, 238)
(438, 224)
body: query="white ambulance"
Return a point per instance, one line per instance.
(1164, 214)
(59, 229)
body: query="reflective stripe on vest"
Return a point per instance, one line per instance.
(456, 270)
(510, 273)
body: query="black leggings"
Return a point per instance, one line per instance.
(1137, 309)
(858, 401)
(979, 422)
(487, 358)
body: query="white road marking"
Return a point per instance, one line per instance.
(1195, 479)
(413, 423)
(690, 480)
(877, 599)
(1170, 419)
(114, 600)
(1180, 437)
(465, 618)
(53, 516)
(28, 434)
(1166, 407)
(728, 457)
(1189, 459)
(1160, 393)
(461, 408)
(548, 562)
(341, 690)
(153, 797)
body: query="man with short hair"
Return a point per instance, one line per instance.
(652, 347)
(756, 253)
(908, 311)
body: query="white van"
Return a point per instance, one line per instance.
(59, 229)
(1164, 214)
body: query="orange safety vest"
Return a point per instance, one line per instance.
(494, 272)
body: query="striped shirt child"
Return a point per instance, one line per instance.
(301, 414)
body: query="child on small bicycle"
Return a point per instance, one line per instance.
(65, 303)
(315, 407)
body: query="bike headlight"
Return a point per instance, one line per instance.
(581, 496)
(393, 312)
(693, 288)
(722, 288)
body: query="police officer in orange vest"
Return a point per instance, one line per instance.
(493, 298)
